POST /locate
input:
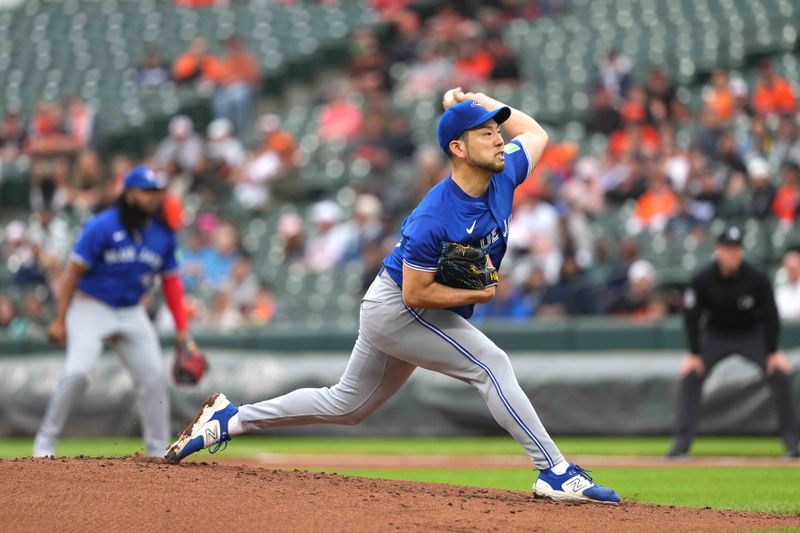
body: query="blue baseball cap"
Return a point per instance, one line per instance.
(142, 177)
(465, 116)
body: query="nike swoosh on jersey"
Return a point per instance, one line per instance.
(470, 229)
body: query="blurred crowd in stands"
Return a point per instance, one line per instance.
(675, 170)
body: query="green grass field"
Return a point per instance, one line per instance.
(763, 489)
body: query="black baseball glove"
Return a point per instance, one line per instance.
(190, 364)
(464, 267)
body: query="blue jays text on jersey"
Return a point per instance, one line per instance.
(449, 214)
(121, 269)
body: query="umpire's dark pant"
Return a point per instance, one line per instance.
(715, 345)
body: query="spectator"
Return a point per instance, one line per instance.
(618, 275)
(430, 171)
(368, 69)
(787, 197)
(79, 121)
(719, 96)
(12, 137)
(20, 255)
(366, 226)
(154, 72)
(8, 316)
(615, 75)
(656, 206)
(290, 228)
(223, 317)
(50, 237)
(217, 260)
(35, 321)
(786, 145)
(48, 137)
(707, 196)
(241, 285)
(340, 118)
(635, 136)
(408, 37)
(427, 74)
(225, 152)
(86, 187)
(536, 231)
(506, 67)
(685, 220)
(736, 198)
(603, 117)
(196, 64)
(236, 82)
(474, 63)
(762, 196)
(773, 94)
(787, 288)
(278, 140)
(253, 180)
(509, 304)
(398, 139)
(640, 301)
(328, 244)
(182, 151)
(264, 307)
(571, 295)
(660, 95)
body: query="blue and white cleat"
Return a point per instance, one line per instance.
(574, 486)
(209, 429)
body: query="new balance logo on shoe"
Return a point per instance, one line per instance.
(577, 484)
(211, 433)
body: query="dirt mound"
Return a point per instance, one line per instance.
(98, 494)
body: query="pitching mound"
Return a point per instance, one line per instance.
(137, 494)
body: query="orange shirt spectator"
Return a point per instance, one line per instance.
(720, 99)
(773, 94)
(657, 204)
(644, 136)
(787, 197)
(238, 65)
(196, 63)
(475, 66)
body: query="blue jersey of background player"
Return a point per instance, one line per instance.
(449, 214)
(121, 262)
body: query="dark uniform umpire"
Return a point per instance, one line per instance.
(730, 309)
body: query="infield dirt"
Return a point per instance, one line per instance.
(138, 494)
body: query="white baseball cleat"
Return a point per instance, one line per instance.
(209, 429)
(573, 486)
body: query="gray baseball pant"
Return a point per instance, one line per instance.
(89, 322)
(392, 341)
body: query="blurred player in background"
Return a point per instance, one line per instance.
(112, 266)
(730, 309)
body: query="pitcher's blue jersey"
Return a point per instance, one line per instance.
(120, 268)
(448, 214)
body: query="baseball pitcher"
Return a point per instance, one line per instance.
(112, 265)
(415, 312)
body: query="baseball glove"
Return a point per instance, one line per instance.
(464, 267)
(190, 365)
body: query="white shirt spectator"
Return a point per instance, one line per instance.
(252, 189)
(787, 288)
(331, 239)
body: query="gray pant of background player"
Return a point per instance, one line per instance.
(392, 341)
(130, 332)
